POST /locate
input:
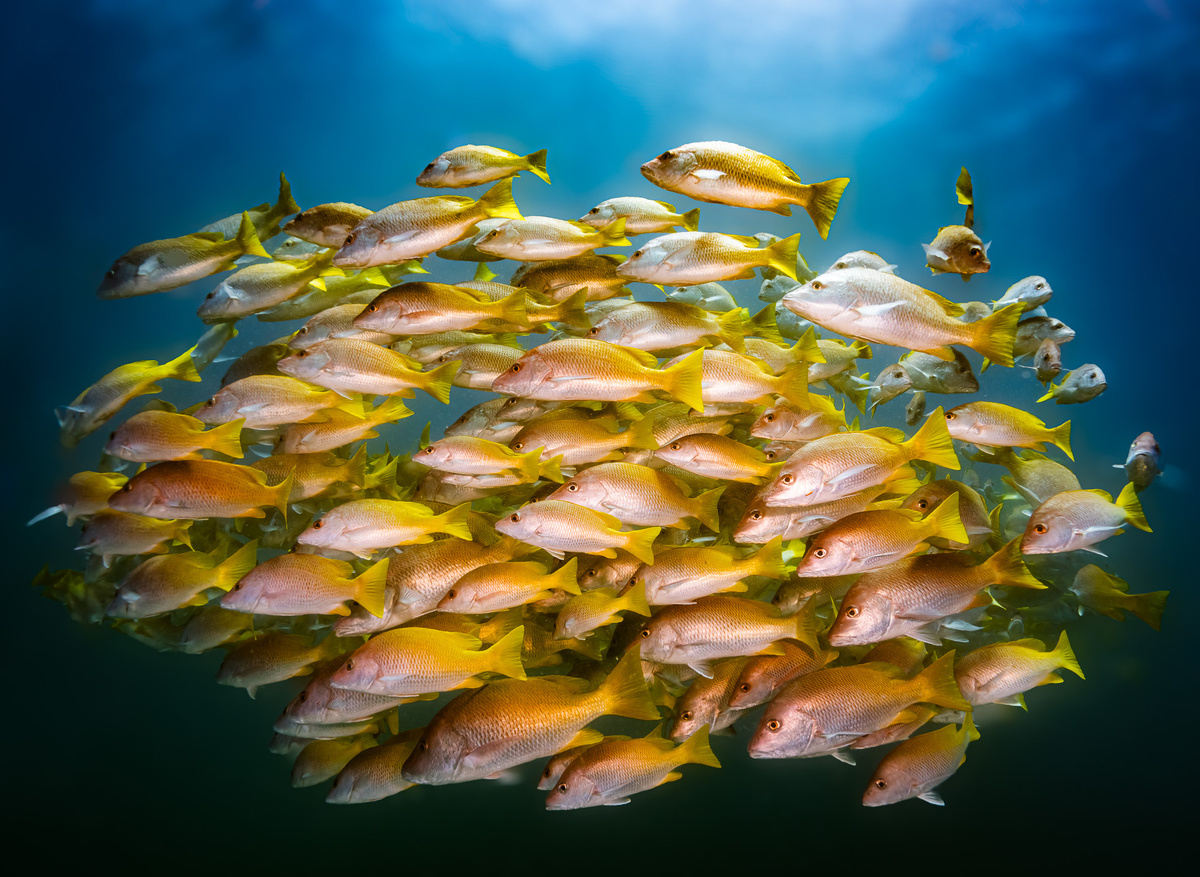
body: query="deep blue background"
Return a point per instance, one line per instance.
(129, 121)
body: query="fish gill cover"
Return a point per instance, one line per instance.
(674, 511)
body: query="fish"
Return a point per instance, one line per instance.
(706, 701)
(1109, 595)
(322, 760)
(762, 522)
(609, 772)
(726, 173)
(468, 455)
(158, 266)
(669, 325)
(869, 540)
(559, 279)
(1078, 519)
(577, 438)
(639, 496)
(259, 287)
(194, 489)
(1142, 463)
(863, 259)
(326, 225)
(687, 572)
(84, 494)
(873, 306)
(764, 675)
(541, 238)
(837, 357)
(1033, 331)
(837, 465)
(1048, 360)
(351, 365)
(500, 586)
(363, 526)
(573, 369)
(307, 584)
(154, 435)
(827, 710)
(687, 258)
(917, 766)
(336, 427)
(264, 401)
(931, 374)
(414, 229)
(786, 422)
(559, 762)
(265, 218)
(642, 216)
(102, 400)
(957, 250)
(975, 518)
(166, 582)
(717, 456)
(915, 410)
(559, 526)
(720, 626)
(889, 383)
(995, 425)
(410, 661)
(1031, 292)
(1079, 385)
(510, 722)
(471, 165)
(1032, 475)
(710, 296)
(274, 656)
(375, 773)
(727, 376)
(112, 533)
(596, 608)
(1003, 672)
(421, 308)
(315, 474)
(908, 598)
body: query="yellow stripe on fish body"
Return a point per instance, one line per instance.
(166, 582)
(992, 424)
(1080, 518)
(596, 608)
(667, 325)
(578, 438)
(264, 401)
(468, 455)
(642, 216)
(473, 165)
(201, 489)
(872, 539)
(336, 427)
(542, 238)
(152, 436)
(916, 766)
(717, 456)
(423, 308)
(274, 656)
(682, 574)
(558, 279)
(731, 377)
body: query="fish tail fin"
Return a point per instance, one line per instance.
(498, 202)
(390, 410)
(439, 381)
(823, 204)
(182, 368)
(764, 325)
(369, 587)
(566, 577)
(356, 467)
(625, 692)
(696, 749)
(285, 204)
(1148, 607)
(381, 479)
(640, 543)
(705, 511)
(227, 438)
(807, 349)
(635, 599)
(1128, 502)
(933, 444)
(937, 684)
(1007, 567)
(729, 330)
(613, 234)
(236, 565)
(247, 238)
(454, 522)
(1060, 437)
(283, 493)
(691, 219)
(769, 560)
(505, 656)
(806, 625)
(512, 309)
(537, 166)
(793, 384)
(1066, 656)
(994, 335)
(946, 521)
(571, 310)
(550, 469)
(781, 255)
(683, 380)
(1049, 394)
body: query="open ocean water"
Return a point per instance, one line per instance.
(129, 121)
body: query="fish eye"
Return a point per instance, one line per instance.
(756, 515)
(112, 435)
(112, 272)
(238, 586)
(317, 525)
(562, 787)
(745, 686)
(637, 253)
(770, 455)
(516, 446)
(852, 612)
(546, 772)
(303, 696)
(1039, 286)
(820, 552)
(922, 503)
(839, 264)
(372, 308)
(514, 518)
(817, 284)
(645, 634)
(591, 573)
(769, 418)
(128, 486)
(686, 715)
(595, 330)
(1039, 528)
(593, 210)
(210, 295)
(675, 446)
(788, 479)
(429, 166)
(975, 251)
(666, 156)
(350, 664)
(1056, 325)
(423, 745)
(950, 415)
(350, 240)
(451, 594)
(516, 368)
(303, 330)
(428, 449)
(881, 784)
(572, 487)
(773, 725)
(302, 353)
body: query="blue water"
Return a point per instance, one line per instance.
(130, 121)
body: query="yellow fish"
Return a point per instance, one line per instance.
(201, 489)
(473, 165)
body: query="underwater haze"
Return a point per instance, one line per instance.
(1078, 122)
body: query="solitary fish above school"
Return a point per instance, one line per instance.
(957, 250)
(725, 173)
(473, 165)
(1142, 463)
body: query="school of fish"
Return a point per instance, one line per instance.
(669, 510)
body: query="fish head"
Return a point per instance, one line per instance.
(959, 250)
(1050, 531)
(124, 604)
(670, 168)
(436, 173)
(573, 791)
(600, 215)
(438, 756)
(323, 532)
(125, 278)
(692, 713)
(360, 247)
(219, 303)
(312, 704)
(385, 310)
(1087, 377)
(504, 238)
(1031, 291)
(220, 408)
(360, 672)
(783, 732)
(679, 452)
(799, 482)
(755, 686)
(312, 332)
(954, 377)
(305, 364)
(251, 591)
(863, 618)
(861, 259)
(521, 524)
(141, 495)
(658, 639)
(891, 784)
(653, 259)
(963, 423)
(525, 376)
(823, 298)
(460, 598)
(828, 555)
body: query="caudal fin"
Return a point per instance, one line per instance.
(682, 380)
(439, 381)
(285, 204)
(932, 443)
(793, 384)
(227, 438)
(640, 543)
(946, 521)
(182, 368)
(537, 164)
(236, 566)
(691, 219)
(248, 240)
(822, 206)
(937, 685)
(1128, 502)
(625, 692)
(696, 749)
(1148, 607)
(498, 202)
(455, 522)
(369, 588)
(505, 656)
(1007, 567)
(704, 508)
(994, 335)
(781, 255)
(1066, 656)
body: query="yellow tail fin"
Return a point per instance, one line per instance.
(237, 565)
(1008, 567)
(696, 749)
(937, 684)
(565, 578)
(537, 164)
(945, 521)
(248, 240)
(498, 201)
(683, 379)
(226, 438)
(369, 588)
(505, 656)
(1066, 657)
(1128, 502)
(781, 255)
(625, 692)
(454, 522)
(439, 381)
(182, 368)
(932, 443)
(691, 219)
(822, 205)
(994, 335)
(635, 599)
(640, 543)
